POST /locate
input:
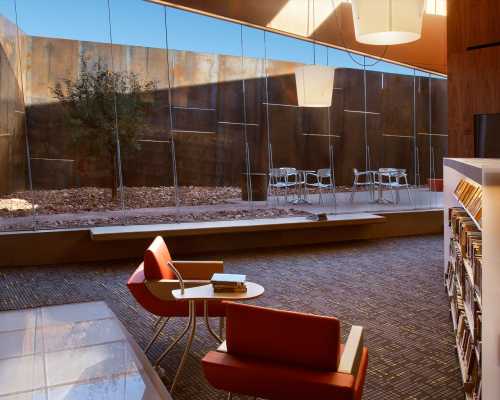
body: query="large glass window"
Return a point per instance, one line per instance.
(129, 112)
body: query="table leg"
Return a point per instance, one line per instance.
(192, 321)
(207, 322)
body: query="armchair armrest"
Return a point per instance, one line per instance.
(349, 362)
(202, 270)
(162, 288)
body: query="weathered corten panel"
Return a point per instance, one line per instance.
(12, 119)
(207, 118)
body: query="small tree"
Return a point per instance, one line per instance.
(100, 103)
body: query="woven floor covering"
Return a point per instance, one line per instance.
(393, 287)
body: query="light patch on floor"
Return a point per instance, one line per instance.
(15, 204)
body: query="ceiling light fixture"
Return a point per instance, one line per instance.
(387, 22)
(314, 82)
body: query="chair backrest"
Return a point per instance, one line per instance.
(285, 337)
(289, 170)
(324, 173)
(276, 172)
(156, 260)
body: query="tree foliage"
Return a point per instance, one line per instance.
(100, 103)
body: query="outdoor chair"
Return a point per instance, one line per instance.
(363, 179)
(277, 183)
(396, 179)
(152, 283)
(277, 355)
(323, 180)
(282, 179)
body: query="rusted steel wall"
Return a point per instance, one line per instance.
(208, 112)
(12, 124)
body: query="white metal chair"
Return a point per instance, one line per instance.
(363, 179)
(396, 179)
(324, 180)
(292, 179)
(281, 179)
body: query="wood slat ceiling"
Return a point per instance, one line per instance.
(334, 27)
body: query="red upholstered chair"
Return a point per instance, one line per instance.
(278, 355)
(152, 283)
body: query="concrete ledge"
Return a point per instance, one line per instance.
(232, 226)
(77, 245)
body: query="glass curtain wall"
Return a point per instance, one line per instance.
(17, 206)
(144, 71)
(71, 164)
(155, 115)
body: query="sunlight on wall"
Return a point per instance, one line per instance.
(301, 17)
(436, 7)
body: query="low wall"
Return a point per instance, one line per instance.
(76, 246)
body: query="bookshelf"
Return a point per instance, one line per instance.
(471, 200)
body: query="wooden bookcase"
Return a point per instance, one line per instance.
(472, 272)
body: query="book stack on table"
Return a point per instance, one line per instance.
(229, 283)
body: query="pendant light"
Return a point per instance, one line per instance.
(387, 22)
(314, 82)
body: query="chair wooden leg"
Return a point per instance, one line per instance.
(221, 327)
(171, 346)
(162, 322)
(229, 396)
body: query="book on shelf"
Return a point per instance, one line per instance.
(463, 277)
(470, 195)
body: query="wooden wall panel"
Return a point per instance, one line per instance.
(474, 74)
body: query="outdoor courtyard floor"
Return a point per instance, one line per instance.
(69, 209)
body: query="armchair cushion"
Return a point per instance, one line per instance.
(250, 376)
(155, 261)
(285, 337)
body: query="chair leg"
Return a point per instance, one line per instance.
(353, 189)
(393, 196)
(176, 340)
(158, 330)
(192, 333)
(409, 194)
(229, 396)
(158, 320)
(222, 323)
(207, 323)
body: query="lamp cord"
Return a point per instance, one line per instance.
(348, 52)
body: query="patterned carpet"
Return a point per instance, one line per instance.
(392, 287)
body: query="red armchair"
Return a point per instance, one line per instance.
(287, 355)
(152, 283)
